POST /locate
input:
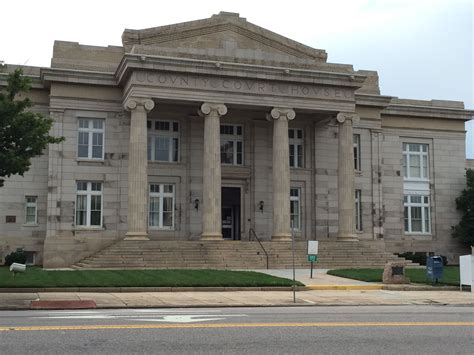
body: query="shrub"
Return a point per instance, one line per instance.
(420, 257)
(18, 256)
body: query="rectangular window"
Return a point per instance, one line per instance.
(88, 204)
(295, 208)
(295, 138)
(163, 141)
(358, 210)
(415, 161)
(417, 214)
(31, 210)
(357, 163)
(232, 144)
(90, 139)
(161, 206)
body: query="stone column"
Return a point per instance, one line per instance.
(138, 169)
(211, 175)
(281, 173)
(346, 176)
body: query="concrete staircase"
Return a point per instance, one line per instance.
(128, 254)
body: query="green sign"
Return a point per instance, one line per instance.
(312, 258)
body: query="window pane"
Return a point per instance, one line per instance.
(425, 147)
(425, 166)
(96, 151)
(175, 127)
(415, 166)
(149, 147)
(292, 155)
(300, 134)
(167, 204)
(300, 156)
(95, 218)
(98, 124)
(427, 220)
(239, 153)
(416, 219)
(227, 152)
(96, 202)
(239, 130)
(168, 188)
(148, 124)
(167, 219)
(175, 149)
(415, 199)
(162, 152)
(405, 165)
(83, 145)
(162, 126)
(406, 219)
(81, 207)
(291, 133)
(96, 186)
(81, 186)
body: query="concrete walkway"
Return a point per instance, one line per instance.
(332, 291)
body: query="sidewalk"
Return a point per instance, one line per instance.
(324, 290)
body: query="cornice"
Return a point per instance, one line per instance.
(428, 112)
(373, 100)
(132, 62)
(49, 75)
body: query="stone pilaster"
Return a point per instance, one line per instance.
(346, 176)
(281, 173)
(55, 176)
(211, 186)
(138, 168)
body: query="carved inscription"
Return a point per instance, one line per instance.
(248, 86)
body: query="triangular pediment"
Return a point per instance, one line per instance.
(225, 36)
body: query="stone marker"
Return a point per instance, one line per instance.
(394, 273)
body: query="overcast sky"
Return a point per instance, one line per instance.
(421, 49)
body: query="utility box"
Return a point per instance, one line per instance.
(434, 268)
(466, 270)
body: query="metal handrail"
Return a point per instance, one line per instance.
(251, 230)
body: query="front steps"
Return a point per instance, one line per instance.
(128, 254)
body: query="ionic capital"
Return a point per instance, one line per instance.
(209, 108)
(281, 113)
(347, 116)
(134, 103)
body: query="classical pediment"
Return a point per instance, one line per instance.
(226, 37)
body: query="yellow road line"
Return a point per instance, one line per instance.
(237, 325)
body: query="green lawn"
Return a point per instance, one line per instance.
(450, 275)
(37, 277)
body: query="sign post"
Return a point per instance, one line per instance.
(312, 253)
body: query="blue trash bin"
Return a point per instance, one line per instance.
(434, 268)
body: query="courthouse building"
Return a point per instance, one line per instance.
(207, 129)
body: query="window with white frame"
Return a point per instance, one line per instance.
(295, 208)
(232, 144)
(415, 161)
(90, 139)
(88, 204)
(163, 141)
(417, 214)
(358, 210)
(295, 138)
(161, 206)
(31, 210)
(356, 141)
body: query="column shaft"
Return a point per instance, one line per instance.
(138, 170)
(345, 178)
(281, 174)
(211, 188)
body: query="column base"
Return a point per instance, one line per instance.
(136, 236)
(211, 236)
(347, 238)
(283, 237)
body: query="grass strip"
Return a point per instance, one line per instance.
(450, 275)
(37, 277)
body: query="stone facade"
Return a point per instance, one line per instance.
(237, 104)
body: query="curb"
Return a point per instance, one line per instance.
(403, 287)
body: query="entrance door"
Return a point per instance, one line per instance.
(231, 213)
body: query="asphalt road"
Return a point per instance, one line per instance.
(291, 330)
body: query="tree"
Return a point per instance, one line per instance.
(465, 203)
(23, 134)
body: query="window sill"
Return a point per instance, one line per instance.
(417, 234)
(87, 229)
(30, 225)
(161, 229)
(96, 161)
(164, 162)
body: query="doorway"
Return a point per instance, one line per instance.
(231, 213)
